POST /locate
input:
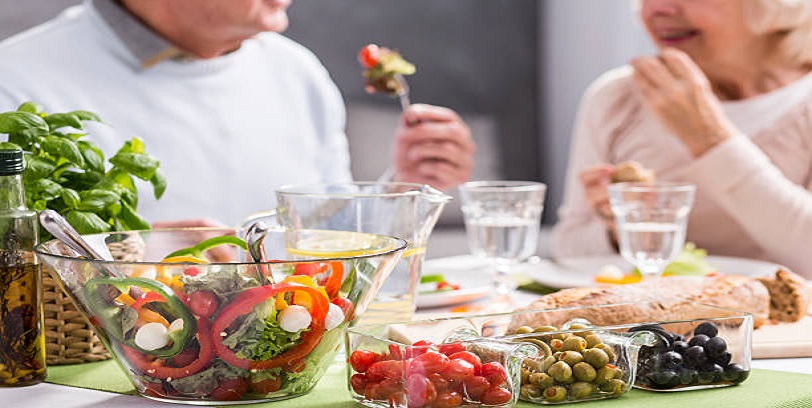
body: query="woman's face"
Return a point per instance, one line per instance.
(712, 32)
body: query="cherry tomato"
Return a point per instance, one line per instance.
(191, 271)
(419, 391)
(185, 357)
(440, 383)
(469, 357)
(395, 352)
(494, 372)
(267, 385)
(475, 386)
(358, 382)
(360, 360)
(447, 399)
(230, 390)
(397, 400)
(203, 303)
(418, 348)
(458, 370)
(392, 369)
(346, 306)
(496, 396)
(368, 55)
(450, 348)
(429, 362)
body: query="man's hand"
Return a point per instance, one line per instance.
(433, 146)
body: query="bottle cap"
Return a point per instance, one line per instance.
(11, 162)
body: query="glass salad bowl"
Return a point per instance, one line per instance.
(189, 330)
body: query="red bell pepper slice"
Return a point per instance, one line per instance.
(157, 369)
(147, 297)
(245, 302)
(332, 283)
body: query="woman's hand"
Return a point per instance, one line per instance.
(433, 146)
(680, 95)
(595, 181)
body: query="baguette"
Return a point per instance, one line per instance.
(667, 298)
(631, 171)
(789, 296)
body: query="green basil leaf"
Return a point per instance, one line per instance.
(131, 219)
(22, 139)
(94, 158)
(17, 122)
(128, 192)
(158, 182)
(37, 167)
(86, 222)
(60, 120)
(38, 205)
(43, 189)
(30, 107)
(97, 200)
(60, 147)
(71, 198)
(86, 116)
(135, 145)
(140, 165)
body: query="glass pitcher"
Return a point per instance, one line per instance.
(404, 210)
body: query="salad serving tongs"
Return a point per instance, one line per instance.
(253, 238)
(59, 227)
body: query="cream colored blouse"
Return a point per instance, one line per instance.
(753, 191)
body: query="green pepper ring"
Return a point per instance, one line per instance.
(106, 313)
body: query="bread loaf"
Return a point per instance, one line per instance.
(667, 298)
(789, 296)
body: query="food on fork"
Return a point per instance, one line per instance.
(631, 171)
(384, 69)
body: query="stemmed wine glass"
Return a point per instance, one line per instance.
(651, 219)
(502, 222)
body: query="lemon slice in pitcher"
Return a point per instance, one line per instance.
(339, 244)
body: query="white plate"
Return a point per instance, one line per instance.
(471, 273)
(574, 272)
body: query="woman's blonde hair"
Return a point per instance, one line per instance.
(793, 18)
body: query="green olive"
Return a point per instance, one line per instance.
(555, 393)
(584, 372)
(556, 344)
(530, 391)
(610, 352)
(615, 387)
(574, 343)
(560, 371)
(597, 357)
(533, 365)
(545, 329)
(542, 380)
(593, 340)
(524, 330)
(547, 363)
(571, 357)
(581, 390)
(604, 375)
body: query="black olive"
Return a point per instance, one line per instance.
(735, 373)
(722, 359)
(680, 346)
(663, 379)
(671, 359)
(707, 328)
(694, 357)
(698, 340)
(715, 346)
(688, 376)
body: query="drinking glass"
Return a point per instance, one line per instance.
(502, 222)
(651, 219)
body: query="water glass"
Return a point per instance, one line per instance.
(651, 219)
(502, 221)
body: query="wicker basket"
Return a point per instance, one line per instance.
(69, 338)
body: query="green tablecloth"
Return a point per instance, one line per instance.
(764, 388)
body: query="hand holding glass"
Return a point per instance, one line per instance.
(502, 223)
(651, 219)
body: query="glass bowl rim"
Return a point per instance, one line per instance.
(399, 244)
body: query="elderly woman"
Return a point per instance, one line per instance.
(727, 105)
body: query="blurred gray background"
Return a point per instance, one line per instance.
(514, 69)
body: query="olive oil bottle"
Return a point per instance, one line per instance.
(22, 339)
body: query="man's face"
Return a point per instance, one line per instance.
(244, 18)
